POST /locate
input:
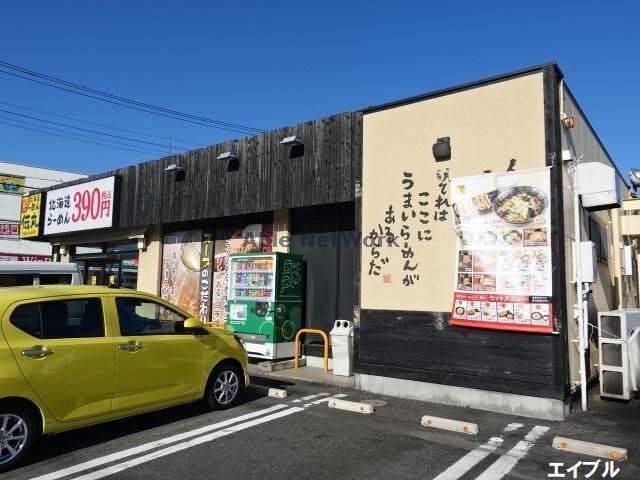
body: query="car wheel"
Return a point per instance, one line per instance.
(18, 432)
(224, 387)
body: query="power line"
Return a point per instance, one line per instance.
(83, 129)
(122, 101)
(148, 150)
(89, 122)
(72, 138)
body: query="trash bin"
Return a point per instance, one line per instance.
(342, 348)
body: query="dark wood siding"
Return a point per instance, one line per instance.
(269, 176)
(422, 346)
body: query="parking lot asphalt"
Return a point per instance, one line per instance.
(301, 437)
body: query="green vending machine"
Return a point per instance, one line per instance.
(264, 302)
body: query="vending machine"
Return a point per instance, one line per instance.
(264, 302)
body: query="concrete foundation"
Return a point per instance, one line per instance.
(535, 407)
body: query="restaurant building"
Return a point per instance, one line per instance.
(442, 225)
(17, 180)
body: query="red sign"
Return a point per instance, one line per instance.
(10, 230)
(503, 312)
(18, 257)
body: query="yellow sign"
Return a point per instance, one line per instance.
(30, 215)
(11, 184)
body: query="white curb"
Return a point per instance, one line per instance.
(270, 392)
(451, 425)
(350, 406)
(593, 449)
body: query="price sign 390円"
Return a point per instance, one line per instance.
(85, 206)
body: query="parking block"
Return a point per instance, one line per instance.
(451, 425)
(270, 392)
(593, 449)
(350, 406)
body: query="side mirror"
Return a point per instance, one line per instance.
(193, 325)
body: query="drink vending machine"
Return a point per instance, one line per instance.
(264, 302)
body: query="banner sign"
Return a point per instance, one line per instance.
(186, 271)
(30, 208)
(86, 206)
(503, 260)
(17, 257)
(11, 184)
(9, 230)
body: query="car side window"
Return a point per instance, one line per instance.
(145, 317)
(60, 319)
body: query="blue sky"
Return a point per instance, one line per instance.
(269, 64)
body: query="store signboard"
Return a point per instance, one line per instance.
(9, 230)
(85, 206)
(503, 255)
(11, 184)
(18, 257)
(30, 208)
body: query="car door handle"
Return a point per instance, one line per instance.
(130, 347)
(37, 353)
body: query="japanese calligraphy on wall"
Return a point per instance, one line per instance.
(85, 206)
(403, 226)
(503, 268)
(11, 184)
(186, 271)
(30, 208)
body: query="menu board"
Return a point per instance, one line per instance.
(503, 255)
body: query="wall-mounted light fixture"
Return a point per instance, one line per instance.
(227, 156)
(141, 240)
(174, 167)
(292, 140)
(296, 144)
(442, 149)
(233, 159)
(62, 249)
(178, 171)
(568, 121)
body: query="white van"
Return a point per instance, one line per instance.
(13, 274)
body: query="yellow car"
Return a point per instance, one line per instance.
(72, 356)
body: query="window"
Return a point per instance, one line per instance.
(16, 279)
(144, 317)
(55, 279)
(60, 319)
(598, 235)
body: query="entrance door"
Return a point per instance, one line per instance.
(111, 272)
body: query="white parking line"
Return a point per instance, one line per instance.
(506, 462)
(184, 445)
(470, 460)
(308, 397)
(155, 444)
(474, 457)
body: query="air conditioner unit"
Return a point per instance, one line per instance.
(619, 342)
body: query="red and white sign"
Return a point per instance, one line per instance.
(86, 206)
(503, 261)
(10, 230)
(17, 257)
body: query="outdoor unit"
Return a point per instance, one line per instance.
(619, 343)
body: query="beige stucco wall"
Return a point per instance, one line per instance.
(488, 126)
(281, 230)
(150, 262)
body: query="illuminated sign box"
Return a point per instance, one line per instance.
(85, 206)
